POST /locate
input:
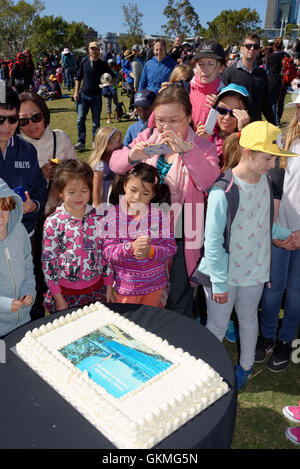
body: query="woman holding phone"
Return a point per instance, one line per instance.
(189, 167)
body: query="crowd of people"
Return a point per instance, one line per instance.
(198, 199)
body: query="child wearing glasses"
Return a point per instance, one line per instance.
(239, 231)
(188, 167)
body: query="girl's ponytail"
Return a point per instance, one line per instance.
(231, 151)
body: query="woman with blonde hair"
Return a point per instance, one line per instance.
(107, 140)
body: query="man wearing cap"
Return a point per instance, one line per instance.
(247, 73)
(69, 66)
(89, 97)
(143, 102)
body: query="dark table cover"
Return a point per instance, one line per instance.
(34, 415)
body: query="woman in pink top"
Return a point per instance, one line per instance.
(189, 168)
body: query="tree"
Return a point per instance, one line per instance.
(182, 19)
(16, 25)
(54, 33)
(133, 22)
(230, 26)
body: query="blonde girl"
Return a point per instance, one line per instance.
(238, 234)
(107, 140)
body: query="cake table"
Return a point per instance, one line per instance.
(33, 415)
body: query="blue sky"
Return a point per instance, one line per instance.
(106, 15)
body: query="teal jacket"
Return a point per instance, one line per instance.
(16, 267)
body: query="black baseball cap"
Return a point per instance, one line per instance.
(210, 49)
(144, 98)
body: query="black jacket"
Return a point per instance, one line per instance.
(257, 85)
(91, 75)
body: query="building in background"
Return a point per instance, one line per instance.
(279, 13)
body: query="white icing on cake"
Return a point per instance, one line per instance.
(142, 417)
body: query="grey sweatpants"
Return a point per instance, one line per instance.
(246, 301)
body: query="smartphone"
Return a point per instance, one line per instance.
(20, 191)
(211, 121)
(159, 149)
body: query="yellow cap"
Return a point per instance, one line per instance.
(265, 137)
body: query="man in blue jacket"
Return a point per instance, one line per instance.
(158, 69)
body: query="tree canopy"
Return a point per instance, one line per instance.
(182, 19)
(230, 26)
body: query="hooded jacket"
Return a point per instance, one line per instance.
(16, 267)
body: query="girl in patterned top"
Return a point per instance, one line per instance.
(238, 234)
(75, 271)
(138, 239)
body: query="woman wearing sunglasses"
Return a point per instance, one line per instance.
(232, 107)
(34, 122)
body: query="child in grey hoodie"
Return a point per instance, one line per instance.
(17, 283)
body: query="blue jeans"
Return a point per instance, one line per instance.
(69, 78)
(285, 276)
(278, 101)
(83, 105)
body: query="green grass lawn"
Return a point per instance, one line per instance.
(260, 423)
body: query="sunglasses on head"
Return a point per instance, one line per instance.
(223, 111)
(249, 46)
(23, 121)
(11, 119)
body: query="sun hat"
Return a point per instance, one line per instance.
(52, 77)
(265, 137)
(144, 98)
(210, 49)
(294, 101)
(66, 50)
(128, 54)
(94, 44)
(233, 87)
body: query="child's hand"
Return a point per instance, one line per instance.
(289, 243)
(110, 297)
(27, 300)
(141, 247)
(16, 305)
(220, 297)
(60, 302)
